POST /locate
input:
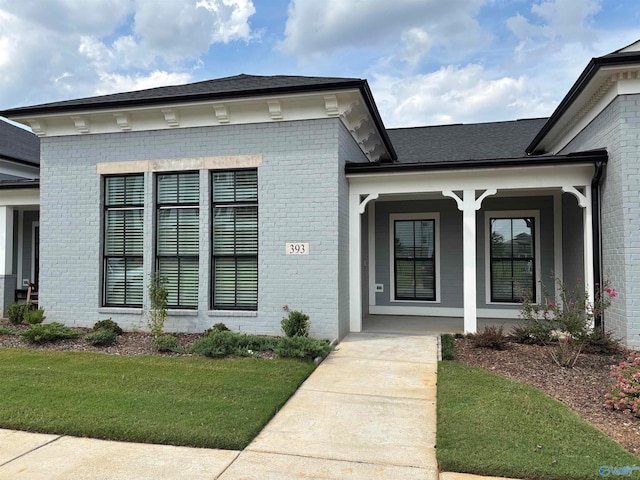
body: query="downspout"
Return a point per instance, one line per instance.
(595, 219)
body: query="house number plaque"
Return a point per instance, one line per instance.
(297, 248)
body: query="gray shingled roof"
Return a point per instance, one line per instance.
(18, 144)
(475, 141)
(228, 87)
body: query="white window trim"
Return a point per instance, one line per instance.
(435, 216)
(487, 249)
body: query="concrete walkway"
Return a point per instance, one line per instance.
(367, 412)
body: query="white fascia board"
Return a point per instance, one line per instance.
(20, 197)
(509, 178)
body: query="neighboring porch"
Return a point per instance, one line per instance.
(457, 226)
(19, 243)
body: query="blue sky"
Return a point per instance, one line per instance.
(428, 62)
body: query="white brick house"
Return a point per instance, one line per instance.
(250, 192)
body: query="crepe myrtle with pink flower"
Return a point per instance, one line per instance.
(566, 322)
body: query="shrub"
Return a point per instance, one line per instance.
(165, 343)
(109, 325)
(49, 332)
(101, 337)
(34, 317)
(217, 344)
(218, 327)
(625, 393)
(522, 334)
(6, 331)
(302, 347)
(158, 298)
(490, 337)
(601, 342)
(225, 342)
(16, 313)
(296, 324)
(448, 346)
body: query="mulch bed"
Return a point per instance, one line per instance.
(582, 388)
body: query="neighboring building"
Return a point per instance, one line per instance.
(248, 193)
(19, 211)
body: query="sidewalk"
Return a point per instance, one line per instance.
(367, 412)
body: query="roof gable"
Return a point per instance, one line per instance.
(603, 79)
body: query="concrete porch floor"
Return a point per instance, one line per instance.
(407, 324)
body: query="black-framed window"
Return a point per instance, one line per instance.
(177, 236)
(512, 259)
(123, 241)
(235, 239)
(415, 259)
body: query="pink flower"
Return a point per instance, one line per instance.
(552, 305)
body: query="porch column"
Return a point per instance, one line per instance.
(7, 279)
(468, 205)
(356, 208)
(355, 259)
(584, 200)
(6, 241)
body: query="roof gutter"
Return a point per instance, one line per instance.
(593, 156)
(19, 161)
(595, 224)
(19, 184)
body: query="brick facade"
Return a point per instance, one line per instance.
(616, 129)
(303, 197)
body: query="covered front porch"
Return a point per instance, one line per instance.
(457, 249)
(19, 240)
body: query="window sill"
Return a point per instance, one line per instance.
(419, 302)
(120, 310)
(232, 313)
(181, 312)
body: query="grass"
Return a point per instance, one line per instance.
(189, 401)
(489, 425)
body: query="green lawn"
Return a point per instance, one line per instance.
(190, 401)
(489, 425)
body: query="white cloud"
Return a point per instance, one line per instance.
(182, 29)
(316, 28)
(556, 21)
(113, 82)
(68, 17)
(64, 48)
(457, 95)
(417, 43)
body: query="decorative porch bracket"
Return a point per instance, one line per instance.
(582, 200)
(469, 205)
(363, 205)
